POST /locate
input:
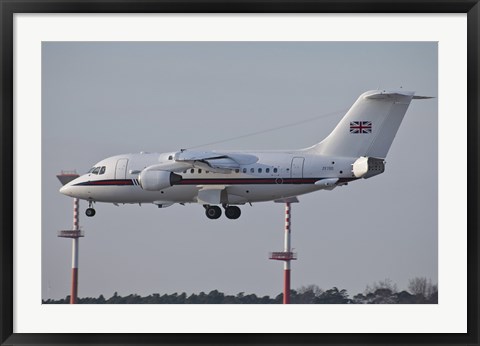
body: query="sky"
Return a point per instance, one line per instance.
(101, 99)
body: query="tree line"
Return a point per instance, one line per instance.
(420, 291)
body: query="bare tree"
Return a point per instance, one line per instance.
(420, 286)
(382, 284)
(314, 289)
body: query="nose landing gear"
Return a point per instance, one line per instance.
(90, 211)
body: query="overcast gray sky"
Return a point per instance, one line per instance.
(101, 99)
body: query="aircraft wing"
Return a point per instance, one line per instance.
(215, 162)
(171, 166)
(207, 160)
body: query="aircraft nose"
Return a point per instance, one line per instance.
(67, 179)
(66, 190)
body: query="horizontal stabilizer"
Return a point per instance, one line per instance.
(383, 95)
(422, 97)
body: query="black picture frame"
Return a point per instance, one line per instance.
(10, 7)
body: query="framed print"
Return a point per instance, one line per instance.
(222, 91)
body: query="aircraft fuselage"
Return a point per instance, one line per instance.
(275, 175)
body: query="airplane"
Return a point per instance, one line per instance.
(355, 149)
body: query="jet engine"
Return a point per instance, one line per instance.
(367, 167)
(151, 180)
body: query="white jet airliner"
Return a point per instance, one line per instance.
(355, 149)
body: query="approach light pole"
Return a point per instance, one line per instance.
(286, 255)
(74, 234)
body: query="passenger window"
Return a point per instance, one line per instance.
(102, 170)
(275, 170)
(252, 170)
(237, 170)
(199, 171)
(244, 170)
(259, 170)
(170, 157)
(192, 171)
(267, 170)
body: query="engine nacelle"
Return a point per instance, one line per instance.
(367, 167)
(157, 180)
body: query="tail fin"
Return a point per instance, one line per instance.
(369, 127)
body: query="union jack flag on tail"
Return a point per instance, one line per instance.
(360, 127)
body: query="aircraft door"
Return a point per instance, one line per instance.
(121, 169)
(296, 170)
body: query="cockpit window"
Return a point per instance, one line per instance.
(97, 170)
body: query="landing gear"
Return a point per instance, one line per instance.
(90, 211)
(232, 212)
(213, 212)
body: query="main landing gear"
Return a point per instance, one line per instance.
(214, 212)
(90, 211)
(232, 212)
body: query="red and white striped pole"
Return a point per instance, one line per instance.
(74, 290)
(287, 249)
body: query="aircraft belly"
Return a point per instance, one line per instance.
(264, 193)
(234, 194)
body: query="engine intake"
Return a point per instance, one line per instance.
(367, 167)
(157, 180)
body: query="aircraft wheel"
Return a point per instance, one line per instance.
(213, 212)
(233, 212)
(90, 212)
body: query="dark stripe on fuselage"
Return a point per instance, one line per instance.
(217, 181)
(108, 182)
(247, 181)
(256, 181)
